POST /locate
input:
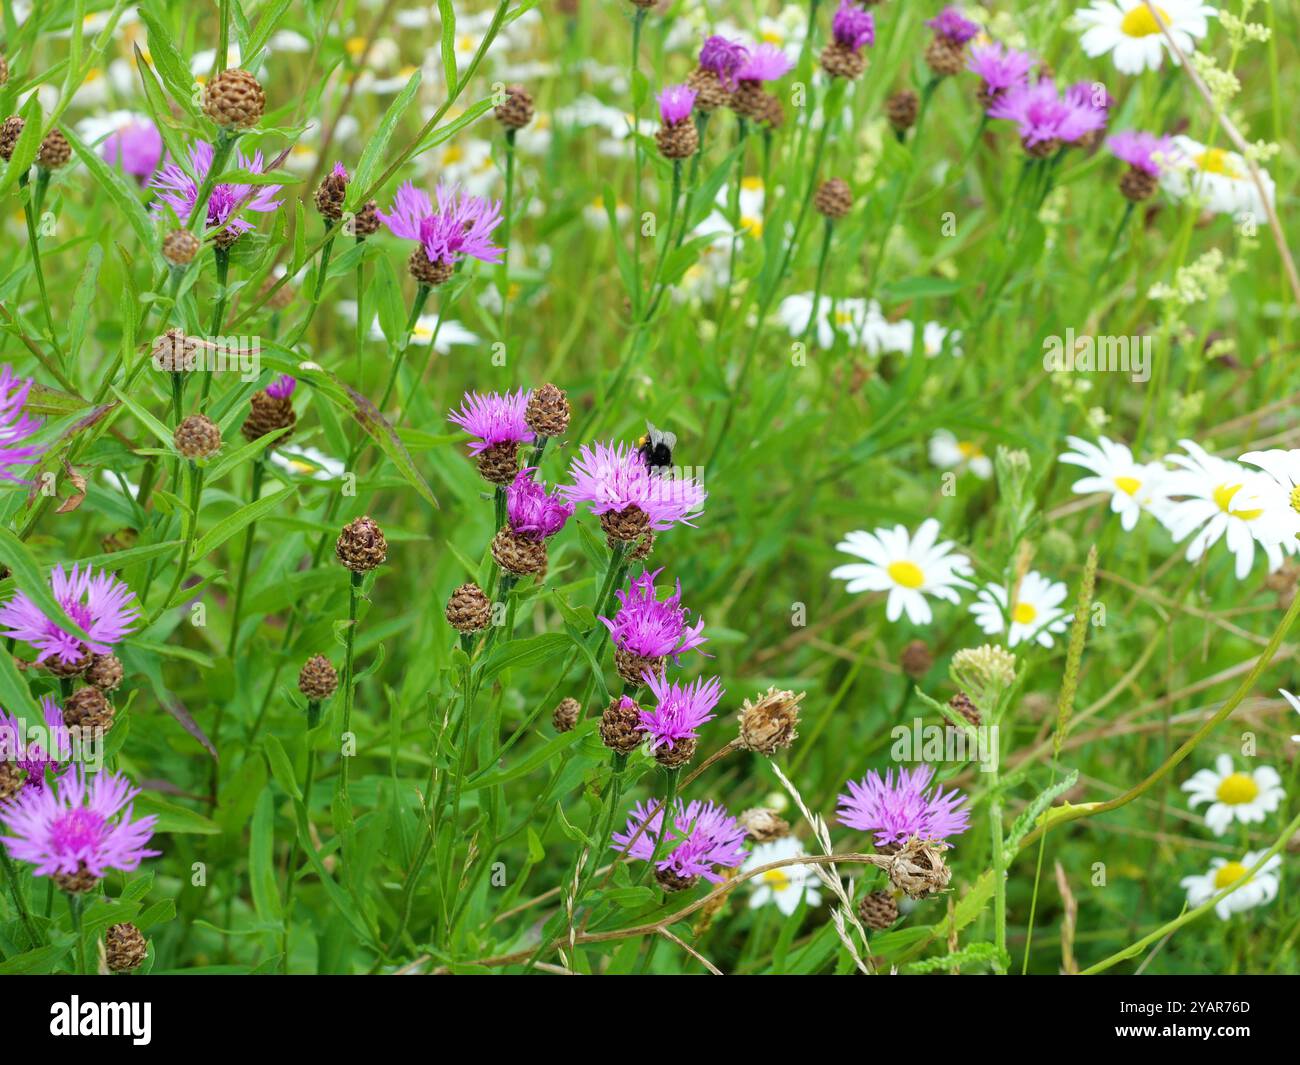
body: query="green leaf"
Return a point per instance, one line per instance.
(15, 696)
(282, 768)
(1032, 812)
(448, 17)
(532, 651)
(535, 760)
(173, 818)
(146, 419)
(27, 145)
(261, 860)
(373, 153)
(239, 520)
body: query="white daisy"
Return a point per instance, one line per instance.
(1132, 486)
(1259, 890)
(1035, 615)
(450, 334)
(1216, 177)
(1233, 796)
(1128, 30)
(1218, 500)
(749, 223)
(1295, 705)
(1279, 494)
(465, 162)
(949, 453)
(784, 886)
(908, 566)
(900, 337)
(307, 462)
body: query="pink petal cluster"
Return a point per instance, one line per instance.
(952, 25)
(897, 810)
(1000, 68)
(723, 57)
(649, 627)
(853, 27)
(494, 418)
(675, 104)
(100, 603)
(1043, 116)
(16, 428)
(533, 513)
(180, 191)
(679, 710)
(767, 62)
(614, 477)
(1140, 149)
(460, 228)
(282, 387)
(700, 837)
(33, 757)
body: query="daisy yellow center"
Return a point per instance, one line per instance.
(453, 154)
(771, 37)
(1128, 485)
(751, 225)
(1024, 613)
(1295, 499)
(1139, 22)
(752, 184)
(1236, 789)
(776, 879)
(355, 46)
(1223, 497)
(1228, 875)
(422, 331)
(1216, 161)
(908, 574)
(968, 450)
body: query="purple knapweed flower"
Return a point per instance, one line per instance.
(650, 628)
(1143, 151)
(953, 26)
(31, 755)
(615, 478)
(679, 710)
(1091, 96)
(179, 191)
(675, 104)
(100, 603)
(494, 418)
(897, 810)
(699, 837)
(81, 825)
(999, 68)
(16, 428)
(767, 62)
(282, 387)
(852, 27)
(723, 57)
(460, 228)
(136, 146)
(532, 513)
(1044, 119)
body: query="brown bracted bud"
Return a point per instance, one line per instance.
(841, 61)
(65, 670)
(234, 99)
(197, 437)
(676, 756)
(566, 715)
(678, 140)
(180, 246)
(961, 703)
(361, 545)
(917, 869)
(671, 882)
(518, 554)
(125, 948)
(547, 413)
(747, 101)
(632, 667)
(833, 198)
(4, 71)
(763, 825)
(365, 222)
(11, 779)
(429, 273)
(331, 194)
(498, 463)
(878, 910)
(81, 882)
(318, 679)
(618, 726)
(945, 57)
(628, 524)
(770, 724)
(916, 659)
(88, 710)
(1138, 185)
(902, 108)
(469, 609)
(105, 672)
(516, 110)
(10, 131)
(709, 93)
(268, 414)
(54, 152)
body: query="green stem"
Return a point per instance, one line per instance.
(638, 20)
(191, 520)
(254, 492)
(34, 243)
(666, 823)
(76, 906)
(221, 259)
(20, 903)
(349, 645)
(503, 268)
(417, 308)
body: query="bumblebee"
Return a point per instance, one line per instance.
(656, 448)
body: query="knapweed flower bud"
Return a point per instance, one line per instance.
(673, 882)
(961, 704)
(234, 99)
(763, 825)
(833, 198)
(365, 222)
(878, 910)
(105, 672)
(517, 554)
(916, 659)
(88, 710)
(770, 724)
(125, 948)
(4, 71)
(945, 55)
(618, 726)
(626, 525)
(430, 272)
(66, 670)
(1146, 155)
(271, 410)
(677, 137)
(54, 152)
(678, 754)
(361, 545)
(197, 437)
(11, 780)
(709, 93)
(547, 412)
(469, 609)
(332, 192)
(516, 110)
(318, 679)
(10, 131)
(638, 550)
(180, 246)
(901, 109)
(566, 715)
(632, 667)
(79, 883)
(917, 869)
(1137, 185)
(174, 352)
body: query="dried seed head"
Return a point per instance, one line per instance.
(105, 672)
(125, 948)
(180, 246)
(174, 352)
(902, 108)
(628, 524)
(833, 199)
(944, 57)
(841, 61)
(234, 99)
(88, 710)
(764, 825)
(318, 679)
(469, 609)
(361, 545)
(426, 272)
(547, 413)
(268, 414)
(197, 437)
(330, 195)
(678, 140)
(54, 152)
(878, 910)
(632, 667)
(916, 659)
(11, 780)
(670, 881)
(516, 110)
(566, 715)
(9, 134)
(517, 554)
(676, 756)
(618, 726)
(498, 463)
(365, 222)
(770, 724)
(917, 869)
(226, 238)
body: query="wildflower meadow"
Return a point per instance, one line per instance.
(669, 487)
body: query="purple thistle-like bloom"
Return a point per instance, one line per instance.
(680, 709)
(898, 810)
(136, 145)
(723, 57)
(767, 62)
(952, 25)
(460, 228)
(614, 477)
(650, 628)
(998, 67)
(282, 387)
(1044, 117)
(675, 104)
(340, 171)
(533, 513)
(100, 603)
(1140, 149)
(853, 27)
(493, 418)
(180, 192)
(80, 824)
(32, 756)
(16, 428)
(1091, 96)
(704, 834)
